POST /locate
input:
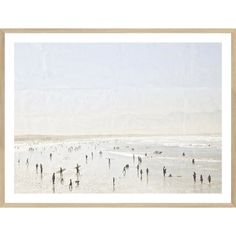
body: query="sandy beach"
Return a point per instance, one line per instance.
(107, 158)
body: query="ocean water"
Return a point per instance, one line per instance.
(96, 173)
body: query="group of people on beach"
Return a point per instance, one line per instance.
(137, 159)
(61, 170)
(38, 166)
(194, 173)
(201, 178)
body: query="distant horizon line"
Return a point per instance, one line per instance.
(107, 135)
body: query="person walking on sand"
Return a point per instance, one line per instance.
(70, 185)
(109, 163)
(27, 161)
(141, 173)
(41, 169)
(53, 178)
(37, 166)
(193, 161)
(61, 172)
(147, 171)
(86, 157)
(209, 179)
(201, 178)
(194, 176)
(133, 158)
(164, 171)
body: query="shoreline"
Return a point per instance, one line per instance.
(84, 137)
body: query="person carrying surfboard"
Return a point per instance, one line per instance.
(77, 169)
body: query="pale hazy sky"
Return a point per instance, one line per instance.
(117, 88)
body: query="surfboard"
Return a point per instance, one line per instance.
(59, 170)
(76, 167)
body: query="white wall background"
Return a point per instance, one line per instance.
(129, 14)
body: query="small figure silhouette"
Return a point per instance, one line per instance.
(41, 168)
(194, 176)
(70, 185)
(201, 178)
(164, 171)
(209, 179)
(53, 178)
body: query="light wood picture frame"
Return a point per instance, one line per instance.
(114, 32)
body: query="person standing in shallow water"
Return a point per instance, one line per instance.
(164, 171)
(141, 174)
(53, 178)
(70, 185)
(209, 179)
(113, 183)
(194, 176)
(41, 169)
(201, 178)
(137, 169)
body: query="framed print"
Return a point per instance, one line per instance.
(117, 118)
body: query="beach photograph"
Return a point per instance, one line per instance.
(117, 117)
